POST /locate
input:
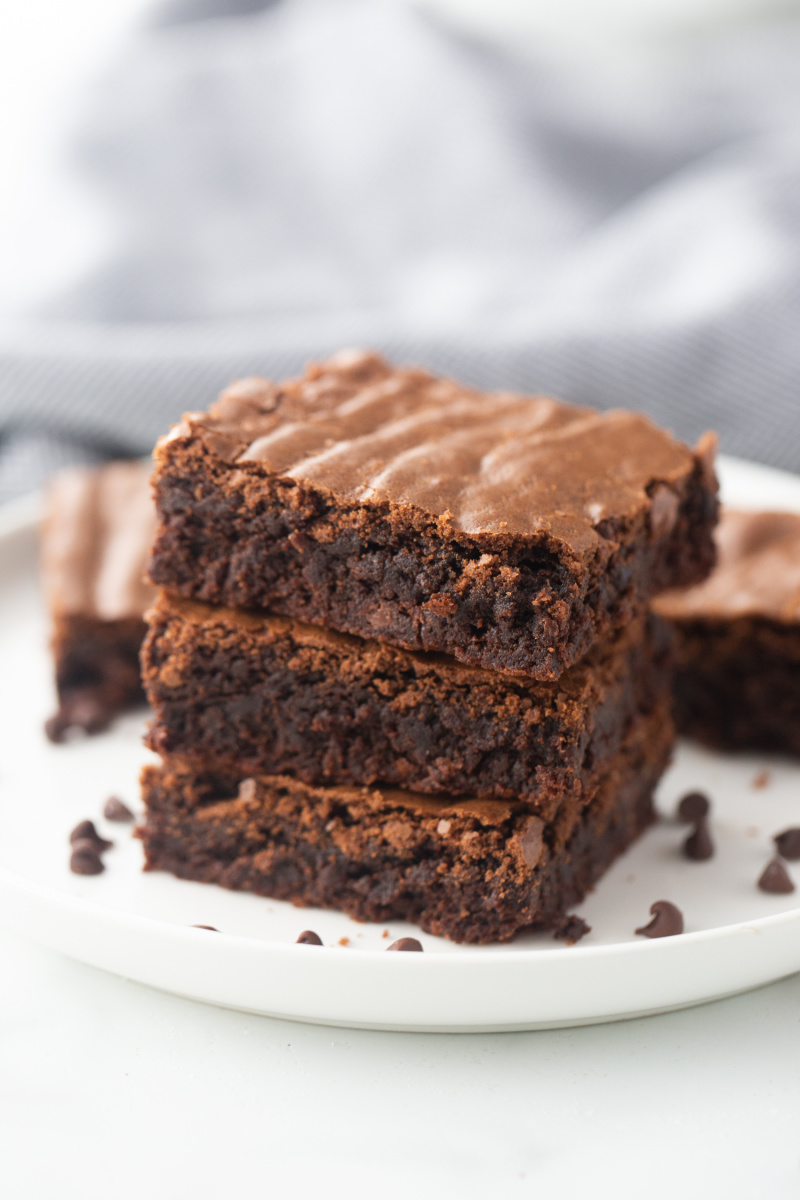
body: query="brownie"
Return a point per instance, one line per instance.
(471, 870)
(271, 695)
(96, 538)
(737, 684)
(511, 532)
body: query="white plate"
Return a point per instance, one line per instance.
(139, 925)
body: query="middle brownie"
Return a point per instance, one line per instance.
(270, 695)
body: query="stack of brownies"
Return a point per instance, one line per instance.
(400, 662)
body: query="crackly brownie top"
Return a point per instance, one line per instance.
(97, 533)
(493, 463)
(757, 574)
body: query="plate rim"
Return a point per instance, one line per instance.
(20, 518)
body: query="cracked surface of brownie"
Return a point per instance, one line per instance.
(508, 531)
(274, 696)
(473, 871)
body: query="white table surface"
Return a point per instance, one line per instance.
(109, 1089)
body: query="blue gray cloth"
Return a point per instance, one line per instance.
(295, 177)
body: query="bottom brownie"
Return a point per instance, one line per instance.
(474, 871)
(97, 672)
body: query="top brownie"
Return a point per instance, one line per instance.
(509, 531)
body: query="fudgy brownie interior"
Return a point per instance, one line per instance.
(474, 871)
(274, 696)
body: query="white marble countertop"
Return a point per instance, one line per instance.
(108, 1088)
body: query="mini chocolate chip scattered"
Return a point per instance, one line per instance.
(115, 809)
(405, 944)
(698, 846)
(775, 878)
(667, 921)
(84, 859)
(788, 844)
(693, 807)
(761, 780)
(212, 928)
(309, 938)
(86, 832)
(571, 929)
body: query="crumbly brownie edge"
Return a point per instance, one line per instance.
(447, 870)
(241, 538)
(737, 685)
(337, 711)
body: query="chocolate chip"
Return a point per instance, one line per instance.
(84, 859)
(775, 878)
(213, 928)
(667, 921)
(405, 944)
(788, 844)
(698, 845)
(85, 831)
(115, 809)
(309, 938)
(694, 806)
(571, 929)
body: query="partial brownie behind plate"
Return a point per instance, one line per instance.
(738, 679)
(96, 537)
(511, 532)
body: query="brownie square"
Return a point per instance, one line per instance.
(272, 696)
(96, 536)
(737, 684)
(511, 532)
(471, 870)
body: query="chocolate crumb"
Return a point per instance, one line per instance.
(116, 810)
(84, 859)
(693, 807)
(698, 846)
(571, 929)
(85, 831)
(213, 928)
(788, 844)
(309, 938)
(775, 879)
(405, 944)
(667, 921)
(761, 780)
